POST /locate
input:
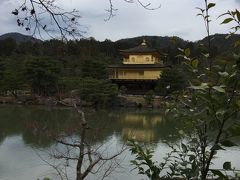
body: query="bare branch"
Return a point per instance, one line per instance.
(44, 16)
(38, 16)
(90, 159)
(112, 10)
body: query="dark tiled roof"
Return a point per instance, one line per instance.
(138, 66)
(142, 48)
(139, 49)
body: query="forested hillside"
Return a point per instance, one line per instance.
(55, 67)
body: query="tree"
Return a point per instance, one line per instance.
(98, 92)
(94, 67)
(54, 47)
(7, 46)
(11, 78)
(42, 75)
(210, 105)
(172, 79)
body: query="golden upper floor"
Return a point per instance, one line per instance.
(141, 54)
(141, 59)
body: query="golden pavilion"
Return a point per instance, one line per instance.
(140, 69)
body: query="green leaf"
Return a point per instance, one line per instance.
(184, 148)
(203, 86)
(237, 43)
(194, 63)
(167, 110)
(180, 49)
(224, 14)
(187, 52)
(219, 89)
(206, 55)
(217, 173)
(210, 5)
(223, 74)
(207, 17)
(202, 10)
(228, 143)
(184, 163)
(191, 157)
(194, 170)
(227, 20)
(187, 58)
(179, 55)
(220, 113)
(199, 14)
(181, 132)
(238, 15)
(227, 166)
(228, 36)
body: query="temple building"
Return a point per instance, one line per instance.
(140, 69)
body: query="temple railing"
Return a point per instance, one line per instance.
(137, 77)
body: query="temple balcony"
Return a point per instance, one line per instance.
(134, 77)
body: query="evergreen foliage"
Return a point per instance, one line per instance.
(172, 79)
(51, 68)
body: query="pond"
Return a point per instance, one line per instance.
(24, 153)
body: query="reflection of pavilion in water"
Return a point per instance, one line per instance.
(141, 127)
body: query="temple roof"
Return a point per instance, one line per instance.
(142, 48)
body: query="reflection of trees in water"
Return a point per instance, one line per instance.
(10, 121)
(19, 120)
(146, 126)
(2, 137)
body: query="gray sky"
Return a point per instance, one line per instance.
(174, 18)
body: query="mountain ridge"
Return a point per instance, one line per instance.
(220, 43)
(19, 38)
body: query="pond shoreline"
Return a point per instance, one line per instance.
(128, 101)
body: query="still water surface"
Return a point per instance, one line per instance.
(22, 149)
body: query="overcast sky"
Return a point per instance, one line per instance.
(174, 18)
